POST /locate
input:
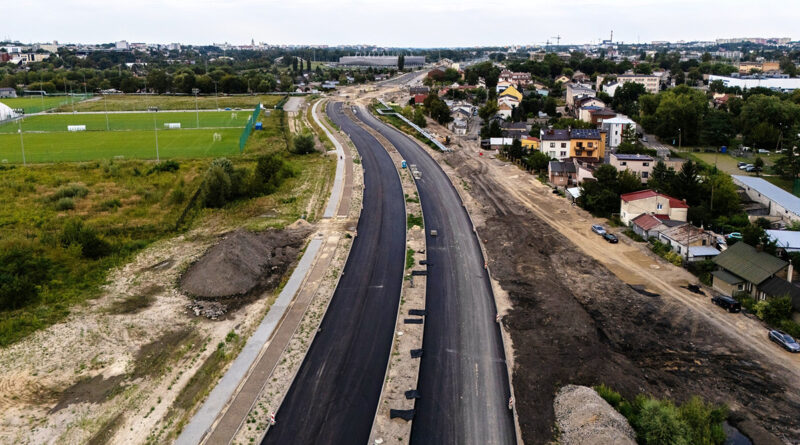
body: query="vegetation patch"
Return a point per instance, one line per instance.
(415, 220)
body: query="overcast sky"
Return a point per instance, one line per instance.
(414, 23)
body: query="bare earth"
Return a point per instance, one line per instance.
(575, 318)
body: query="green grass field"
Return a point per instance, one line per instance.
(132, 144)
(37, 104)
(129, 121)
(130, 102)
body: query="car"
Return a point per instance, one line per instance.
(598, 229)
(727, 303)
(734, 235)
(739, 165)
(752, 168)
(610, 237)
(762, 151)
(743, 167)
(785, 340)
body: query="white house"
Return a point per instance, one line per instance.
(615, 128)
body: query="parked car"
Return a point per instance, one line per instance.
(734, 235)
(762, 151)
(752, 168)
(741, 164)
(745, 166)
(727, 303)
(785, 340)
(610, 237)
(598, 229)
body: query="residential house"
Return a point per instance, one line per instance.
(742, 268)
(502, 86)
(585, 168)
(587, 143)
(780, 203)
(419, 98)
(578, 89)
(582, 101)
(692, 243)
(562, 173)
(651, 83)
(514, 130)
(512, 92)
(420, 89)
(654, 203)
(504, 110)
(649, 226)
(519, 79)
(581, 77)
(616, 127)
(459, 126)
(8, 92)
(555, 143)
(640, 165)
(562, 78)
(530, 143)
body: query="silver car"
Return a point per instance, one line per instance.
(598, 229)
(785, 340)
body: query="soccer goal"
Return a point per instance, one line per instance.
(217, 137)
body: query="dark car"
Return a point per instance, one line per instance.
(611, 238)
(785, 340)
(727, 303)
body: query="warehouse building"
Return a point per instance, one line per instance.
(381, 61)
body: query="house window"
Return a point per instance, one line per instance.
(645, 164)
(740, 287)
(644, 175)
(659, 206)
(563, 153)
(591, 144)
(563, 145)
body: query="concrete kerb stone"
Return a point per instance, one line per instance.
(492, 281)
(386, 144)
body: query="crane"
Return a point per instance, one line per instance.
(558, 39)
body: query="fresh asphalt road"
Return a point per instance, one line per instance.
(335, 394)
(463, 381)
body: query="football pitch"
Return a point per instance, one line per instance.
(41, 103)
(131, 136)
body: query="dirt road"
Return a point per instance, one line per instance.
(577, 320)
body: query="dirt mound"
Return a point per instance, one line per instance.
(244, 262)
(584, 418)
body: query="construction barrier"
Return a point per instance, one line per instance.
(248, 128)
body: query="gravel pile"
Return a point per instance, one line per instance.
(584, 418)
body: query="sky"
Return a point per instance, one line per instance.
(406, 23)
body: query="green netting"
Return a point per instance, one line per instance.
(248, 128)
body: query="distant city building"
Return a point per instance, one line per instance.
(122, 45)
(747, 67)
(773, 83)
(381, 61)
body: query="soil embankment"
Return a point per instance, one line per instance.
(575, 322)
(244, 262)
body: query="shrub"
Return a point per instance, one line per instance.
(216, 188)
(65, 204)
(177, 196)
(110, 204)
(414, 220)
(269, 174)
(92, 246)
(774, 310)
(166, 166)
(69, 191)
(659, 423)
(23, 270)
(303, 144)
(633, 235)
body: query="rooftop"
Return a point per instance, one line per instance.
(555, 135)
(646, 221)
(684, 233)
(745, 261)
(772, 192)
(580, 133)
(629, 157)
(562, 167)
(786, 239)
(778, 287)
(644, 194)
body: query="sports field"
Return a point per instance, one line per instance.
(129, 121)
(138, 102)
(41, 103)
(131, 136)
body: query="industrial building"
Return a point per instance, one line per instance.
(381, 61)
(773, 83)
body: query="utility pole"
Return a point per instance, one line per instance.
(196, 110)
(21, 142)
(680, 133)
(216, 97)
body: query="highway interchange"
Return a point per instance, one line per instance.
(463, 378)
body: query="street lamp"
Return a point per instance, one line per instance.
(196, 110)
(155, 130)
(216, 97)
(21, 142)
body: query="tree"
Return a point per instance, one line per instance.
(758, 164)
(401, 62)
(269, 174)
(717, 128)
(661, 424)
(418, 118)
(303, 144)
(487, 111)
(294, 64)
(308, 64)
(23, 269)
(491, 129)
(537, 161)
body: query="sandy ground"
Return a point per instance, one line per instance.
(575, 318)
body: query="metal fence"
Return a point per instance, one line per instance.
(248, 128)
(390, 111)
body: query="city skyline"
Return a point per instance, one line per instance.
(449, 23)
